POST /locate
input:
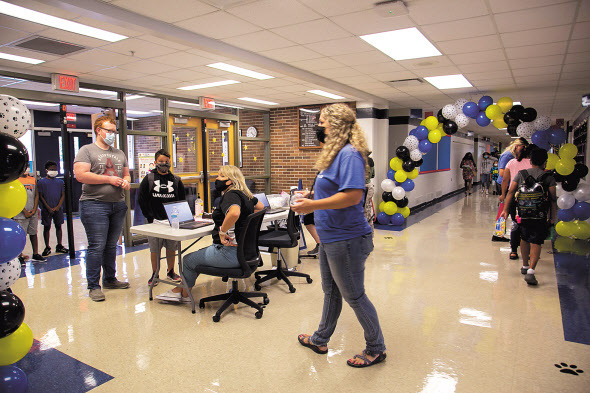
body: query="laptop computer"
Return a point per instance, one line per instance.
(185, 216)
(262, 198)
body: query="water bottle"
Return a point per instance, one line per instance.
(174, 218)
(199, 209)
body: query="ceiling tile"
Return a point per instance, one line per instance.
(554, 15)
(117, 73)
(581, 30)
(369, 22)
(218, 25)
(578, 45)
(163, 42)
(338, 7)
(19, 24)
(173, 11)
(576, 67)
(291, 54)
(274, 13)
(9, 35)
(466, 28)
(537, 78)
(499, 6)
(426, 62)
(73, 38)
(437, 71)
(207, 55)
(467, 45)
(584, 12)
(478, 57)
(581, 57)
(72, 67)
(140, 48)
(340, 46)
(536, 36)
(350, 80)
(388, 66)
(182, 58)
(314, 31)
(488, 67)
(478, 76)
(536, 61)
(340, 71)
(100, 24)
(259, 41)
(392, 76)
(148, 67)
(425, 12)
(554, 69)
(497, 81)
(100, 56)
(369, 57)
(521, 52)
(316, 64)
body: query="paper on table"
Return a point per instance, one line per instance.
(164, 222)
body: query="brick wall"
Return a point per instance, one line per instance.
(252, 152)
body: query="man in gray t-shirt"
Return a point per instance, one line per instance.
(110, 162)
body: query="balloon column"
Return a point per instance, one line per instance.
(16, 337)
(517, 119)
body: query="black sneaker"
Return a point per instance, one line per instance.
(524, 269)
(62, 249)
(530, 279)
(38, 258)
(173, 276)
(115, 284)
(46, 252)
(314, 252)
(152, 279)
(22, 260)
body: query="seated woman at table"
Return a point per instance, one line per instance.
(236, 204)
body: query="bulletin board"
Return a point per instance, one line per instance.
(430, 160)
(444, 153)
(308, 118)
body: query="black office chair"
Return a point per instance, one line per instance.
(249, 258)
(280, 238)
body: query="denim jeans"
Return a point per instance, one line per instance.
(216, 255)
(103, 222)
(342, 267)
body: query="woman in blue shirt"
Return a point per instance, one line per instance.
(345, 235)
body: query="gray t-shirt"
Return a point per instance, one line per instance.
(102, 162)
(536, 173)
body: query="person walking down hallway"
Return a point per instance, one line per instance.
(469, 170)
(345, 235)
(104, 173)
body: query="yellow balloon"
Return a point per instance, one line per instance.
(434, 136)
(551, 161)
(493, 111)
(400, 176)
(505, 103)
(569, 150)
(390, 208)
(431, 123)
(382, 206)
(565, 166)
(564, 244)
(564, 228)
(500, 123)
(396, 164)
(423, 123)
(414, 174)
(13, 198)
(582, 230)
(16, 345)
(405, 211)
(440, 128)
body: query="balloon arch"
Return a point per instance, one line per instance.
(519, 121)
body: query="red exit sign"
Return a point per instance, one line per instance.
(65, 83)
(207, 103)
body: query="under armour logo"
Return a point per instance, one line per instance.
(158, 186)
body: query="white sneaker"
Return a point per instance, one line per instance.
(173, 297)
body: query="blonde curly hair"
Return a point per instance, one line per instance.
(343, 129)
(234, 174)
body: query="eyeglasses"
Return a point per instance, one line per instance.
(109, 131)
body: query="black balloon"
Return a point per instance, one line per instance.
(517, 111)
(12, 313)
(14, 158)
(570, 183)
(408, 165)
(403, 153)
(580, 170)
(558, 177)
(418, 163)
(440, 117)
(387, 197)
(510, 118)
(402, 202)
(529, 114)
(450, 127)
(511, 129)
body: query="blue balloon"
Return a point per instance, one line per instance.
(408, 185)
(397, 219)
(482, 120)
(582, 210)
(413, 132)
(484, 102)
(421, 133)
(383, 218)
(391, 174)
(471, 109)
(557, 136)
(13, 380)
(541, 139)
(566, 214)
(12, 240)
(425, 146)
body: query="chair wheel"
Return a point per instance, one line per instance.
(194, 312)
(257, 287)
(151, 298)
(201, 305)
(265, 301)
(309, 280)
(258, 314)
(215, 318)
(292, 289)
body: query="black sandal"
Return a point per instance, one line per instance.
(513, 255)
(309, 345)
(366, 362)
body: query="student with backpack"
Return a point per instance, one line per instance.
(534, 192)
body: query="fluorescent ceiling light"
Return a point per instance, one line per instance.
(448, 81)
(58, 23)
(156, 111)
(27, 102)
(402, 44)
(211, 84)
(134, 97)
(21, 59)
(185, 103)
(239, 70)
(258, 101)
(132, 118)
(325, 94)
(228, 106)
(105, 92)
(137, 112)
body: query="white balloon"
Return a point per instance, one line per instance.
(525, 130)
(415, 155)
(459, 105)
(9, 273)
(461, 120)
(566, 201)
(411, 142)
(582, 193)
(388, 185)
(15, 118)
(398, 192)
(449, 111)
(542, 123)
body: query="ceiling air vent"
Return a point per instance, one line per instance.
(405, 82)
(48, 45)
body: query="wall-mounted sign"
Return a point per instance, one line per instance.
(309, 117)
(180, 120)
(65, 83)
(71, 120)
(207, 103)
(224, 124)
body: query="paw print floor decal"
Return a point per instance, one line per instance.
(569, 369)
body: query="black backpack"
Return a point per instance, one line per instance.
(532, 197)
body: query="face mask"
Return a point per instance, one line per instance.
(164, 168)
(320, 133)
(220, 185)
(110, 138)
(52, 173)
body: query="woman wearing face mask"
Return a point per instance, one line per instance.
(236, 204)
(104, 173)
(159, 187)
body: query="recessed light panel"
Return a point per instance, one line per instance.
(448, 81)
(402, 44)
(239, 71)
(206, 85)
(326, 94)
(20, 59)
(258, 101)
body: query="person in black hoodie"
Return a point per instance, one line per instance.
(158, 187)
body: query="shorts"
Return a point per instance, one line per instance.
(309, 219)
(29, 224)
(534, 231)
(156, 244)
(47, 217)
